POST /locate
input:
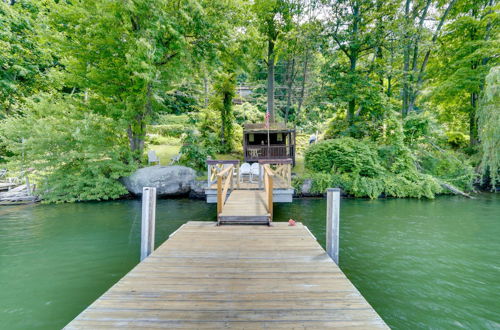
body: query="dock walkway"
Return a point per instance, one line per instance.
(208, 276)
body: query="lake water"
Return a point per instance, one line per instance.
(420, 263)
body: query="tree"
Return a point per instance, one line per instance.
(488, 116)
(414, 33)
(77, 155)
(469, 49)
(225, 90)
(22, 59)
(353, 29)
(275, 18)
(120, 54)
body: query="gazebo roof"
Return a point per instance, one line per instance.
(262, 128)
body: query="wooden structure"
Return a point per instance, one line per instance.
(209, 276)
(277, 142)
(244, 206)
(282, 180)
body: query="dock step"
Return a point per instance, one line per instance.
(245, 220)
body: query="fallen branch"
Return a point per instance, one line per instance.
(455, 190)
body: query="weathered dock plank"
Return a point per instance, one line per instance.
(233, 277)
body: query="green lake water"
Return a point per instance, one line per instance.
(420, 263)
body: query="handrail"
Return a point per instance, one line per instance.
(227, 175)
(223, 172)
(268, 188)
(214, 167)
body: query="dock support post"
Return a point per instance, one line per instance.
(148, 221)
(332, 223)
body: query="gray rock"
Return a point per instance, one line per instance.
(198, 189)
(168, 180)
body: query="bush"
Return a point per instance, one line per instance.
(449, 167)
(77, 155)
(194, 151)
(362, 170)
(248, 113)
(457, 140)
(343, 155)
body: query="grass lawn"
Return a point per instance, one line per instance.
(165, 152)
(299, 165)
(167, 149)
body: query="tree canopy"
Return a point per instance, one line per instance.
(87, 79)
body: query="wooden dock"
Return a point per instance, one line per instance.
(245, 206)
(208, 276)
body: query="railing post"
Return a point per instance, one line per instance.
(219, 195)
(148, 221)
(289, 174)
(231, 173)
(332, 223)
(209, 175)
(237, 175)
(260, 176)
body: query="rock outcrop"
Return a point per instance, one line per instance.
(168, 180)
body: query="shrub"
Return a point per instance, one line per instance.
(248, 113)
(362, 170)
(343, 155)
(194, 151)
(457, 140)
(77, 155)
(449, 167)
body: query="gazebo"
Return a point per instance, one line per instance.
(275, 142)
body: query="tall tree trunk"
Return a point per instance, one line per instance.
(351, 108)
(205, 85)
(270, 80)
(420, 79)
(289, 87)
(473, 120)
(303, 85)
(406, 62)
(136, 131)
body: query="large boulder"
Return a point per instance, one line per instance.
(168, 180)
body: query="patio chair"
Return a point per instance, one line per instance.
(255, 172)
(245, 171)
(175, 159)
(153, 158)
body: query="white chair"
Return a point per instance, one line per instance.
(175, 159)
(153, 158)
(255, 172)
(245, 171)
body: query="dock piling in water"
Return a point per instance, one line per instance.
(148, 221)
(332, 223)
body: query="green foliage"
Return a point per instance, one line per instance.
(343, 155)
(124, 56)
(448, 166)
(225, 90)
(78, 155)
(172, 119)
(457, 140)
(489, 127)
(174, 130)
(248, 113)
(417, 127)
(195, 151)
(23, 61)
(363, 170)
